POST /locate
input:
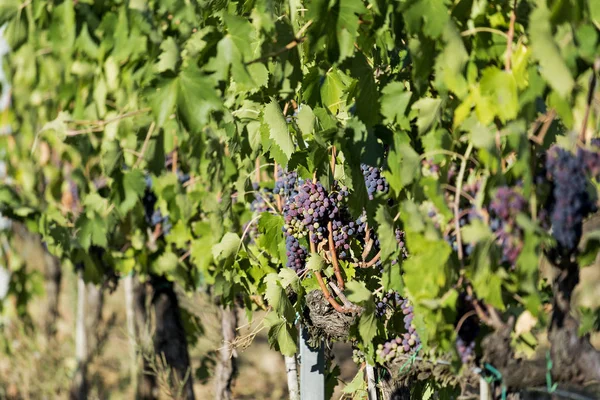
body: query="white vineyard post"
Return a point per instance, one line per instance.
(484, 389)
(292, 377)
(371, 384)
(312, 369)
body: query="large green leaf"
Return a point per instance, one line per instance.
(278, 130)
(546, 51)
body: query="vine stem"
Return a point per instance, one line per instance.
(323, 287)
(333, 155)
(453, 189)
(145, 145)
(510, 36)
(257, 169)
(459, 182)
(277, 196)
(334, 259)
(372, 262)
(348, 305)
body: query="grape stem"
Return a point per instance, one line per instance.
(100, 124)
(334, 259)
(323, 287)
(328, 295)
(277, 196)
(144, 145)
(367, 249)
(372, 262)
(333, 154)
(491, 318)
(547, 120)
(459, 182)
(348, 305)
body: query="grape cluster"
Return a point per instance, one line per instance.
(296, 254)
(591, 159)
(465, 217)
(570, 200)
(343, 231)
(400, 237)
(406, 343)
(374, 181)
(308, 210)
(411, 339)
(358, 356)
(430, 168)
(286, 183)
(504, 209)
(466, 351)
(389, 301)
(263, 200)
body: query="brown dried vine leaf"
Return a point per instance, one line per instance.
(525, 323)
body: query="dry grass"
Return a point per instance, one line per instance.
(33, 368)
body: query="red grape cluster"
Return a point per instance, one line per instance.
(296, 254)
(591, 158)
(406, 343)
(504, 209)
(286, 183)
(389, 301)
(374, 181)
(571, 202)
(466, 351)
(308, 210)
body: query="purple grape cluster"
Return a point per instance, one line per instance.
(263, 200)
(466, 351)
(389, 301)
(591, 158)
(410, 337)
(465, 217)
(296, 254)
(286, 183)
(504, 209)
(374, 181)
(400, 239)
(406, 343)
(570, 200)
(309, 210)
(344, 229)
